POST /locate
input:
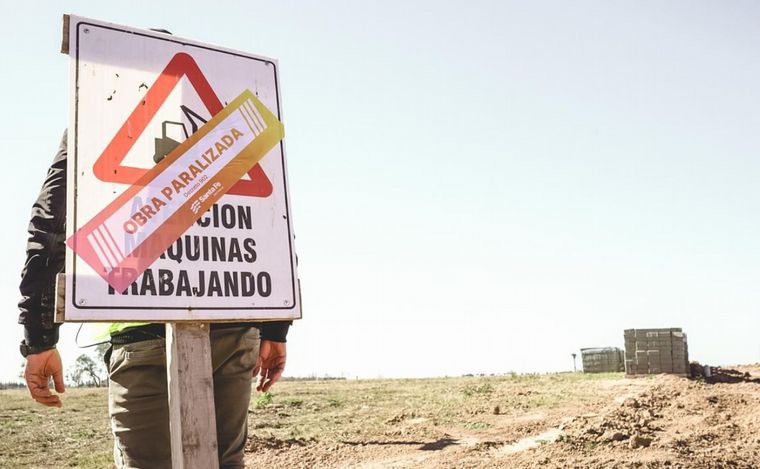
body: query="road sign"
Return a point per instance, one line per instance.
(108, 166)
(141, 97)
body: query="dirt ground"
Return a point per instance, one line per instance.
(610, 422)
(507, 421)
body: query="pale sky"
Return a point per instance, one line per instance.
(477, 187)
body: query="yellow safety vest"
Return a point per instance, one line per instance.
(102, 331)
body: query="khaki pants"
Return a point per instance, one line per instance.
(138, 402)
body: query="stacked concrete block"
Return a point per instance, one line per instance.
(654, 351)
(602, 360)
(680, 353)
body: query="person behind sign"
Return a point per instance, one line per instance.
(136, 362)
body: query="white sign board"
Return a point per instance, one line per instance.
(139, 97)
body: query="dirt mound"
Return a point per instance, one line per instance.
(632, 423)
(553, 421)
(676, 423)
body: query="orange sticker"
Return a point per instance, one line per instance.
(127, 236)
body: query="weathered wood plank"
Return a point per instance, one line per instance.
(65, 36)
(192, 420)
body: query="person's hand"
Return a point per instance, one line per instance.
(39, 368)
(270, 364)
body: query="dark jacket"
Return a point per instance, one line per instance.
(45, 254)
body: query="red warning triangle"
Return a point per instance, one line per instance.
(108, 166)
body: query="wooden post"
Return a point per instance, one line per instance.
(65, 35)
(192, 420)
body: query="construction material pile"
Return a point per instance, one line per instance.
(655, 351)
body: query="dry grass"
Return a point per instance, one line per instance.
(301, 413)
(77, 435)
(340, 410)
